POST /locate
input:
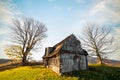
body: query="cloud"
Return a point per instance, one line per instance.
(107, 10)
(4, 44)
(118, 31)
(2, 31)
(51, 0)
(7, 11)
(117, 36)
(116, 53)
(69, 9)
(57, 8)
(79, 1)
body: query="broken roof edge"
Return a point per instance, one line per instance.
(61, 42)
(54, 52)
(64, 40)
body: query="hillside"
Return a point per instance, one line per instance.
(5, 61)
(41, 73)
(93, 60)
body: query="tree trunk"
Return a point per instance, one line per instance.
(24, 60)
(99, 58)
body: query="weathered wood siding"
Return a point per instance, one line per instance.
(72, 45)
(66, 62)
(70, 63)
(54, 64)
(83, 62)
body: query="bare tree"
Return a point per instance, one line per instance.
(28, 33)
(15, 52)
(97, 40)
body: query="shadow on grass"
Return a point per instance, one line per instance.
(96, 73)
(12, 65)
(9, 65)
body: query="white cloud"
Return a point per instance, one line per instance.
(3, 44)
(51, 0)
(98, 8)
(107, 10)
(57, 8)
(7, 11)
(2, 31)
(69, 9)
(116, 45)
(117, 31)
(117, 36)
(79, 1)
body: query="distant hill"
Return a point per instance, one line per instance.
(93, 60)
(5, 61)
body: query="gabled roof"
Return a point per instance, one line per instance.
(58, 46)
(64, 40)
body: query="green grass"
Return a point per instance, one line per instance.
(41, 73)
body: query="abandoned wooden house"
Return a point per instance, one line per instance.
(66, 56)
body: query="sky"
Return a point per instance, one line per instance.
(62, 18)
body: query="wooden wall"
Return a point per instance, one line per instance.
(54, 64)
(71, 62)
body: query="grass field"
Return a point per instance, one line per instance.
(41, 73)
